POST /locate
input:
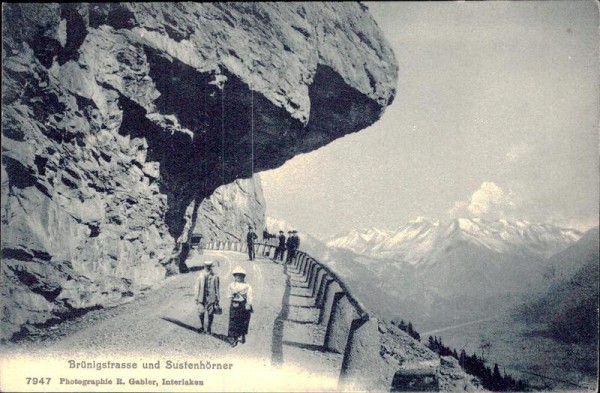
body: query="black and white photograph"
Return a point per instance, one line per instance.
(300, 196)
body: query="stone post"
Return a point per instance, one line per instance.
(362, 364)
(339, 323)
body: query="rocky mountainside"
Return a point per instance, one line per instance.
(120, 119)
(226, 214)
(566, 264)
(568, 304)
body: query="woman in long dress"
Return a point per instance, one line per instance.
(240, 293)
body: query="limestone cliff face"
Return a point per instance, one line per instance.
(119, 120)
(226, 214)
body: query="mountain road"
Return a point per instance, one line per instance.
(159, 329)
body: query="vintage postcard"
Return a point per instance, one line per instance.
(300, 196)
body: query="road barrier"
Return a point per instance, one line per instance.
(349, 330)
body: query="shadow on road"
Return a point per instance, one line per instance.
(277, 340)
(181, 324)
(301, 322)
(221, 337)
(195, 268)
(301, 295)
(312, 347)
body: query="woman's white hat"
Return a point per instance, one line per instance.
(238, 270)
(208, 263)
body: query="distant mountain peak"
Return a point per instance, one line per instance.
(425, 240)
(421, 219)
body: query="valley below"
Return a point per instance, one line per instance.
(476, 284)
(524, 351)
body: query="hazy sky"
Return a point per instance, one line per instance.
(496, 115)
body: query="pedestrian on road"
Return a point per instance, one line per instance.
(280, 248)
(289, 245)
(240, 293)
(207, 295)
(293, 243)
(296, 240)
(250, 238)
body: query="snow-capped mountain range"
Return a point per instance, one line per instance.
(423, 242)
(437, 273)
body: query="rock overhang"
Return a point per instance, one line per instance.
(216, 90)
(273, 48)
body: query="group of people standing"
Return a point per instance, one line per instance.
(207, 297)
(207, 289)
(291, 245)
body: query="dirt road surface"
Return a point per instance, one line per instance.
(281, 352)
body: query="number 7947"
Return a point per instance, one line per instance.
(38, 381)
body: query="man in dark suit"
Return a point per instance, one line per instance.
(292, 245)
(250, 238)
(280, 248)
(296, 240)
(288, 245)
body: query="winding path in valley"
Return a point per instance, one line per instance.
(460, 325)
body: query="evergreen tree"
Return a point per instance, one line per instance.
(497, 383)
(462, 358)
(402, 325)
(487, 376)
(410, 329)
(492, 379)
